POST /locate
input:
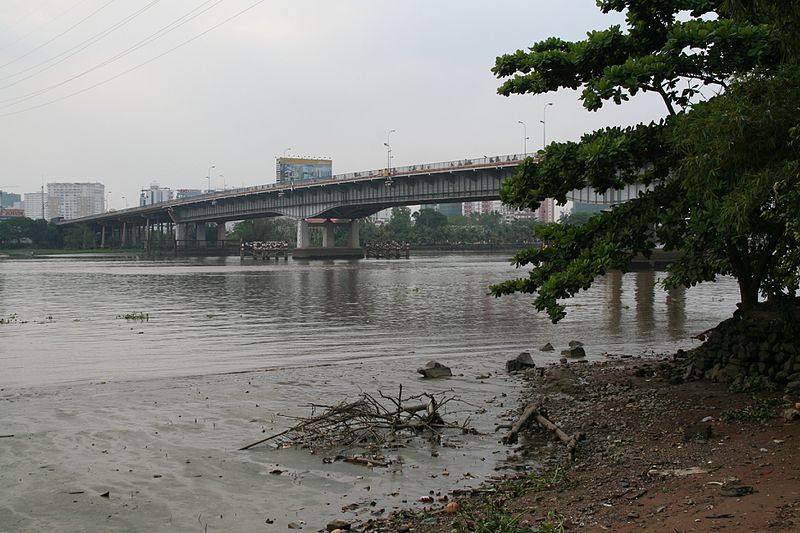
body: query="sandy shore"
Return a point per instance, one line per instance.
(161, 455)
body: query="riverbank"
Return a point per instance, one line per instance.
(658, 456)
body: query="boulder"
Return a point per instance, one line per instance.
(338, 525)
(547, 348)
(521, 362)
(575, 344)
(435, 369)
(574, 352)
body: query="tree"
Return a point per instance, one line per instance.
(430, 226)
(399, 225)
(719, 67)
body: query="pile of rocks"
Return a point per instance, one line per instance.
(763, 343)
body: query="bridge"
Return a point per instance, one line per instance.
(340, 199)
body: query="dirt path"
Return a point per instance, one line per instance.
(658, 456)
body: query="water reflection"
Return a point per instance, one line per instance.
(217, 314)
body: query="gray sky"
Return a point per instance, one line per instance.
(324, 78)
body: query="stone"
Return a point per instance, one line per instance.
(338, 524)
(574, 352)
(790, 415)
(521, 362)
(575, 344)
(547, 348)
(793, 387)
(435, 369)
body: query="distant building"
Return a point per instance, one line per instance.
(450, 209)
(180, 194)
(9, 199)
(155, 195)
(38, 206)
(8, 214)
(547, 211)
(76, 200)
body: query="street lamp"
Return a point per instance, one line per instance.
(544, 124)
(388, 152)
(525, 136)
(208, 177)
(126, 202)
(108, 194)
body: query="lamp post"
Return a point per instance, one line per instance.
(208, 177)
(544, 124)
(124, 199)
(388, 152)
(108, 195)
(524, 136)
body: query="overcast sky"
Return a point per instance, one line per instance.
(323, 78)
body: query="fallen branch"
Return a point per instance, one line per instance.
(536, 412)
(367, 422)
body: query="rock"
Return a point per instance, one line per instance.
(338, 525)
(521, 362)
(575, 344)
(736, 492)
(563, 360)
(793, 387)
(791, 415)
(294, 525)
(435, 369)
(547, 348)
(574, 351)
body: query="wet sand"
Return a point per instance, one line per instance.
(165, 451)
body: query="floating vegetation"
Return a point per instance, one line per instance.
(13, 318)
(141, 317)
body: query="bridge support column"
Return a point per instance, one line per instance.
(124, 237)
(353, 238)
(147, 235)
(103, 236)
(180, 235)
(200, 234)
(303, 234)
(328, 240)
(221, 234)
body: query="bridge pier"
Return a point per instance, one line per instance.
(200, 234)
(303, 234)
(180, 235)
(221, 234)
(124, 237)
(328, 250)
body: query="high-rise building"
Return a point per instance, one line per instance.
(76, 200)
(155, 195)
(8, 199)
(547, 211)
(37, 205)
(450, 209)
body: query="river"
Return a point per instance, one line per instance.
(152, 411)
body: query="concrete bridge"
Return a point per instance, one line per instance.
(341, 199)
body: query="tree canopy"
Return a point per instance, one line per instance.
(721, 164)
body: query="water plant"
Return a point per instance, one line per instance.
(141, 317)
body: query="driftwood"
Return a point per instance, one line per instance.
(368, 421)
(537, 413)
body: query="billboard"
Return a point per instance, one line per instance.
(292, 169)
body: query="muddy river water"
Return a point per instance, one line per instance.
(129, 424)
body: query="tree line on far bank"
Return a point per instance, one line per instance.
(426, 227)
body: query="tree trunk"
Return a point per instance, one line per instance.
(748, 291)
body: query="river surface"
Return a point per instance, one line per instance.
(118, 424)
(221, 315)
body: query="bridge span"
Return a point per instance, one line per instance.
(343, 198)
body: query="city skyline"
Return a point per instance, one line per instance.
(285, 78)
